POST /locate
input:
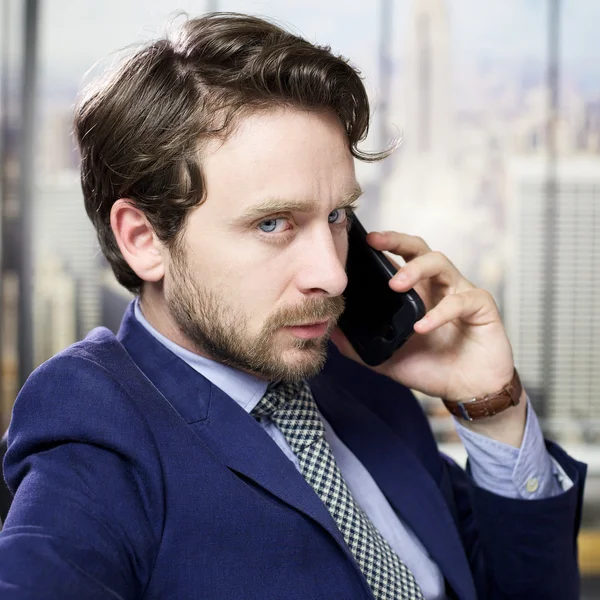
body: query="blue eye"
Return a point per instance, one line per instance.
(339, 215)
(269, 225)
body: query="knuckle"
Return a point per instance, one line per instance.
(489, 298)
(485, 295)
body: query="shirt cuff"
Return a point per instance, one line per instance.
(528, 472)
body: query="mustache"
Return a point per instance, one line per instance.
(311, 311)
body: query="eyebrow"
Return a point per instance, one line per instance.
(277, 205)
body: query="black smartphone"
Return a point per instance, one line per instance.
(376, 320)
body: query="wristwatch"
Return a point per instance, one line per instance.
(489, 405)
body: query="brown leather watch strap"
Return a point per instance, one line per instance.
(489, 405)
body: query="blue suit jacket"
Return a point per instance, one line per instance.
(135, 477)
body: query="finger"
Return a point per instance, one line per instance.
(474, 307)
(435, 266)
(407, 246)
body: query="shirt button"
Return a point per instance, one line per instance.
(532, 484)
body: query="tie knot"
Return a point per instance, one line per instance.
(291, 406)
(278, 396)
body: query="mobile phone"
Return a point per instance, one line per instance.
(377, 320)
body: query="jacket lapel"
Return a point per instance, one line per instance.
(407, 485)
(230, 433)
(245, 447)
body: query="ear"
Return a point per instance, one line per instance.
(137, 241)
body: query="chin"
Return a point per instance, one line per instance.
(304, 362)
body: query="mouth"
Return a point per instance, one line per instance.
(309, 330)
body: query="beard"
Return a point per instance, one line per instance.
(221, 332)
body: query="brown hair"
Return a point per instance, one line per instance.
(140, 127)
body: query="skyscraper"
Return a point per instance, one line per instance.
(54, 309)
(424, 192)
(571, 394)
(65, 241)
(428, 82)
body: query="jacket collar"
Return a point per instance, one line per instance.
(185, 389)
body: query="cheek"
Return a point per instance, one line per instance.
(259, 288)
(248, 276)
(254, 287)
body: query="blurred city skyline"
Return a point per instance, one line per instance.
(466, 84)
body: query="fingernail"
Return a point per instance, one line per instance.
(401, 276)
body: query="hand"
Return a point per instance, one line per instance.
(460, 349)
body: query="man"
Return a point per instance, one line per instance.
(220, 446)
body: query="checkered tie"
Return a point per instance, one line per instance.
(292, 408)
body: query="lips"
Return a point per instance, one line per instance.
(309, 331)
(314, 324)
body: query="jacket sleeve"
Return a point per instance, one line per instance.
(517, 548)
(86, 513)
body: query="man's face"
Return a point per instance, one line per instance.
(265, 253)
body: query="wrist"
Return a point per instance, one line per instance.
(483, 407)
(501, 415)
(507, 427)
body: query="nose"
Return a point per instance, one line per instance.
(322, 269)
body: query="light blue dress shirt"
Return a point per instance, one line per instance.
(499, 468)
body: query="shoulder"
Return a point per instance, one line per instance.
(88, 374)
(87, 370)
(100, 350)
(91, 393)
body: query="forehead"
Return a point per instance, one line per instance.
(280, 153)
